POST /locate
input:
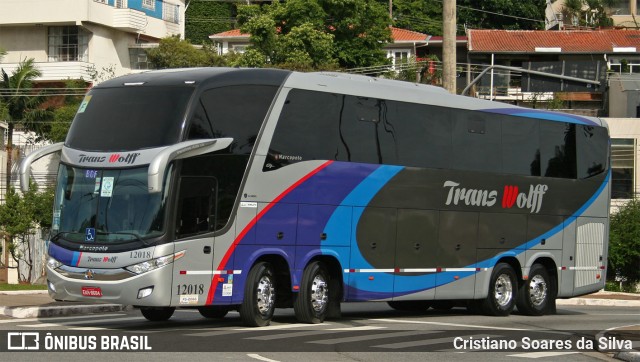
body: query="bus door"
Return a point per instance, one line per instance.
(196, 212)
(416, 257)
(371, 270)
(590, 257)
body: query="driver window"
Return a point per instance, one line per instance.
(196, 206)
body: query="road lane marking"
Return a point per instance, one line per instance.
(426, 342)
(540, 354)
(259, 357)
(448, 324)
(369, 337)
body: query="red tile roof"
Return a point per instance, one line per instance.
(234, 33)
(574, 41)
(404, 35)
(398, 35)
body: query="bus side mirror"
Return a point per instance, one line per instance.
(25, 165)
(185, 149)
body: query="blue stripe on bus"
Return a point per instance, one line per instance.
(540, 114)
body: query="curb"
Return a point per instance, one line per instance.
(599, 302)
(63, 310)
(628, 356)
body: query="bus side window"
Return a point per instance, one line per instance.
(196, 206)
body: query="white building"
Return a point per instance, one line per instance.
(625, 151)
(75, 38)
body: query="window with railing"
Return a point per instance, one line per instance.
(149, 4)
(68, 44)
(171, 13)
(620, 7)
(622, 167)
(626, 65)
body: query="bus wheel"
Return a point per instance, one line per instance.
(535, 294)
(311, 303)
(213, 312)
(502, 291)
(410, 305)
(157, 314)
(259, 296)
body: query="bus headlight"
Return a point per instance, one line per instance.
(53, 263)
(149, 265)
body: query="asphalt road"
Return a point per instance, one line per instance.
(366, 332)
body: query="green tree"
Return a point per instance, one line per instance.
(418, 15)
(173, 52)
(22, 104)
(624, 243)
(316, 34)
(204, 18)
(63, 115)
(20, 217)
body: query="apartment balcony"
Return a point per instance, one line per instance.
(129, 19)
(55, 71)
(77, 12)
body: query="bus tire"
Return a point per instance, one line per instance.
(259, 301)
(534, 296)
(312, 302)
(502, 291)
(410, 305)
(157, 314)
(213, 312)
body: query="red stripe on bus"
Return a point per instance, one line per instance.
(227, 255)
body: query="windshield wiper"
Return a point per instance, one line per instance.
(62, 233)
(135, 236)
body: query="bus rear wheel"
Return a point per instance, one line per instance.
(311, 303)
(535, 294)
(259, 296)
(503, 287)
(157, 314)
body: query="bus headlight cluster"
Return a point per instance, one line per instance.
(149, 265)
(53, 263)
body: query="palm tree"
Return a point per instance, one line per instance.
(21, 104)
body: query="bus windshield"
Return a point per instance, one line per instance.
(129, 118)
(106, 206)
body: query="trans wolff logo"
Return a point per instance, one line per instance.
(511, 196)
(128, 158)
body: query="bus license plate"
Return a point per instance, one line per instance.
(91, 292)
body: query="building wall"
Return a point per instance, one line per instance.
(626, 128)
(24, 42)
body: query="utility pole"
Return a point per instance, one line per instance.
(449, 45)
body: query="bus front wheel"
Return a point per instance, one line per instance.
(259, 296)
(157, 314)
(502, 291)
(311, 303)
(535, 294)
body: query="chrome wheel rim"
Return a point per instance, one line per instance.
(503, 290)
(265, 295)
(319, 293)
(538, 290)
